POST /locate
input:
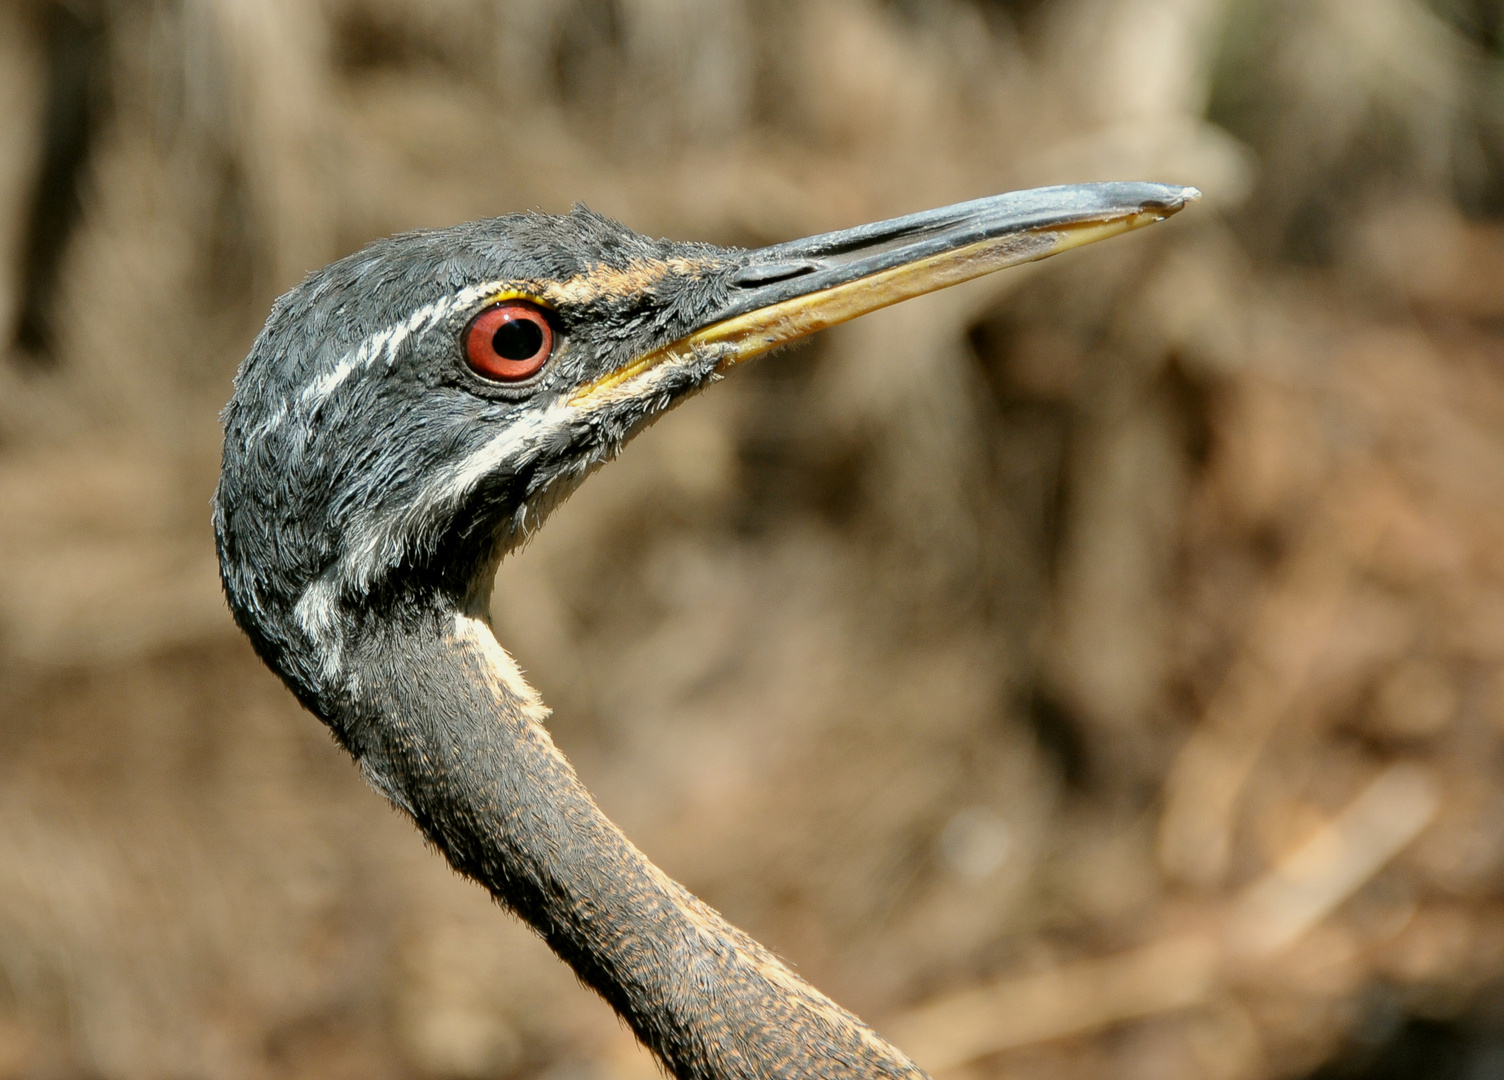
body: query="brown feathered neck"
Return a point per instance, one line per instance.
(455, 736)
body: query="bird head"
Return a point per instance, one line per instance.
(411, 412)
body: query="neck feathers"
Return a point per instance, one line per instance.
(455, 738)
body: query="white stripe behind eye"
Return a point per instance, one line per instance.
(269, 425)
(389, 340)
(380, 540)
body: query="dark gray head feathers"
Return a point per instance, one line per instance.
(367, 468)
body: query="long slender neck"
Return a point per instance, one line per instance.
(455, 736)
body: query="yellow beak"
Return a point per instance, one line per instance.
(790, 291)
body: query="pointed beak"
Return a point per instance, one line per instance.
(789, 291)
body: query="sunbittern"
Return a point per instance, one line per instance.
(411, 412)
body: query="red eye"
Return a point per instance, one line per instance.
(509, 341)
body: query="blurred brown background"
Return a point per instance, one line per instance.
(1095, 671)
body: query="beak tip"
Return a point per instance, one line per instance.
(1175, 199)
(1170, 200)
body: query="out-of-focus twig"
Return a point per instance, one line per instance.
(1171, 974)
(1333, 863)
(1207, 780)
(1181, 970)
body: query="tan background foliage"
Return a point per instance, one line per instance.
(1093, 671)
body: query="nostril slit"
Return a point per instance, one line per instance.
(770, 273)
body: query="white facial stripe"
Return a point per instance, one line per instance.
(511, 442)
(514, 441)
(385, 343)
(379, 543)
(316, 615)
(269, 425)
(315, 610)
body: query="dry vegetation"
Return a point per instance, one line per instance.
(1096, 671)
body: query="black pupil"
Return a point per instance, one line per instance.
(517, 339)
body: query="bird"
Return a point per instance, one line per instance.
(411, 413)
